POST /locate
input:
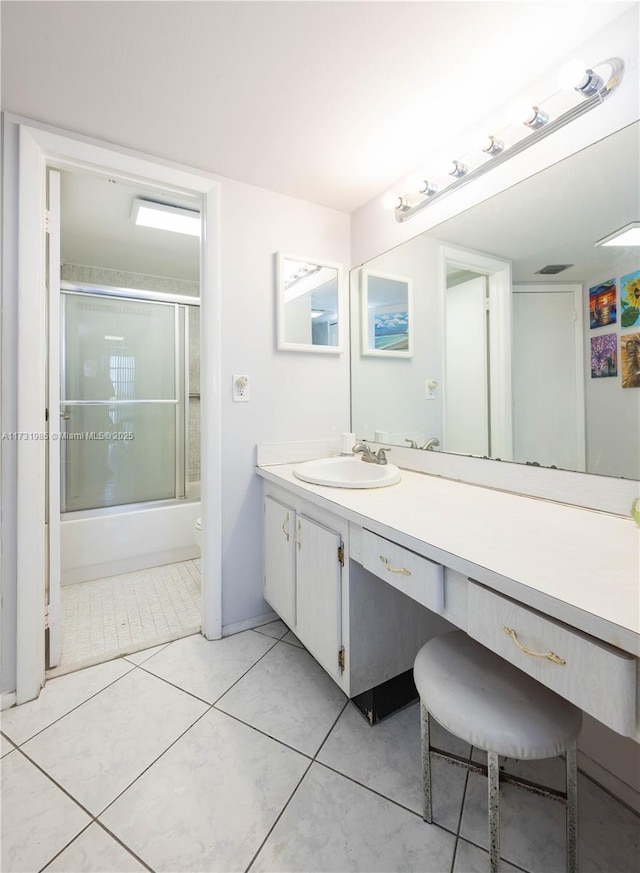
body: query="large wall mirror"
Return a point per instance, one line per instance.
(309, 299)
(536, 359)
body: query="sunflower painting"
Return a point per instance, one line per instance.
(630, 299)
(604, 355)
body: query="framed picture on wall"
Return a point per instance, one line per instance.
(602, 304)
(604, 355)
(386, 315)
(630, 299)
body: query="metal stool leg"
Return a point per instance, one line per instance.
(426, 763)
(493, 786)
(572, 809)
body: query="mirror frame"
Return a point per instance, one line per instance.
(365, 348)
(281, 343)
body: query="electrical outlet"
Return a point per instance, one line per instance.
(430, 389)
(240, 389)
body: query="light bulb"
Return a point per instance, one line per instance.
(391, 200)
(571, 74)
(427, 188)
(457, 169)
(493, 146)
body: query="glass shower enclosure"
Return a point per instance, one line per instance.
(124, 400)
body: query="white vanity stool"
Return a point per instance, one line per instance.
(486, 701)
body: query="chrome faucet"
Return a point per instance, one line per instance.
(412, 444)
(430, 443)
(369, 456)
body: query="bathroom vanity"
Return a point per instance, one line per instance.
(364, 577)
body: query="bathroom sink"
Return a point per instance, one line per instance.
(347, 473)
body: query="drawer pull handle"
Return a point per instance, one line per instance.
(401, 570)
(298, 529)
(550, 656)
(285, 526)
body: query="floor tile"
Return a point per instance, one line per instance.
(276, 629)
(290, 637)
(98, 749)
(109, 617)
(37, 818)
(288, 696)
(95, 851)
(208, 668)
(59, 696)
(209, 802)
(533, 828)
(145, 654)
(471, 859)
(5, 746)
(333, 825)
(387, 758)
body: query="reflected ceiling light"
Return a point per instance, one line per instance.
(629, 235)
(161, 216)
(594, 85)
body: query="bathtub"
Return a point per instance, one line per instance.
(121, 540)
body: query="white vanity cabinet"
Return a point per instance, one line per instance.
(361, 630)
(303, 564)
(279, 588)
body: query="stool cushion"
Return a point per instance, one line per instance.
(488, 702)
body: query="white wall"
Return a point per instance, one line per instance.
(388, 394)
(293, 395)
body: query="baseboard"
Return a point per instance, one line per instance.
(248, 624)
(129, 565)
(7, 699)
(615, 786)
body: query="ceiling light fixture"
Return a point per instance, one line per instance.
(629, 235)
(161, 216)
(593, 85)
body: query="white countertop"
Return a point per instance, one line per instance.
(588, 560)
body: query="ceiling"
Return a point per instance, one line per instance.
(331, 102)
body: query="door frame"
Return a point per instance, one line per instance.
(498, 273)
(40, 147)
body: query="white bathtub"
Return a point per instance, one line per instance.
(122, 540)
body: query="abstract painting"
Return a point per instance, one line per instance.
(604, 355)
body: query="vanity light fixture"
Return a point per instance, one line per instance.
(493, 146)
(162, 216)
(629, 235)
(536, 118)
(593, 85)
(458, 170)
(427, 188)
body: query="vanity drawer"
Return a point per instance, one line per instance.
(598, 678)
(417, 577)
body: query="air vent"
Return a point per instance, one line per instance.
(552, 269)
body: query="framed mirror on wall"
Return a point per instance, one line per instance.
(309, 305)
(567, 409)
(386, 315)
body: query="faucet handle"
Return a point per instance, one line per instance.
(381, 455)
(412, 443)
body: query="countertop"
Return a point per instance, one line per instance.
(582, 559)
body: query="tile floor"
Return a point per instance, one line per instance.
(109, 617)
(241, 755)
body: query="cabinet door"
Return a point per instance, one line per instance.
(279, 559)
(319, 592)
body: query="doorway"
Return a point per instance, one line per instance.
(37, 536)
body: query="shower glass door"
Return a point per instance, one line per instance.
(122, 406)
